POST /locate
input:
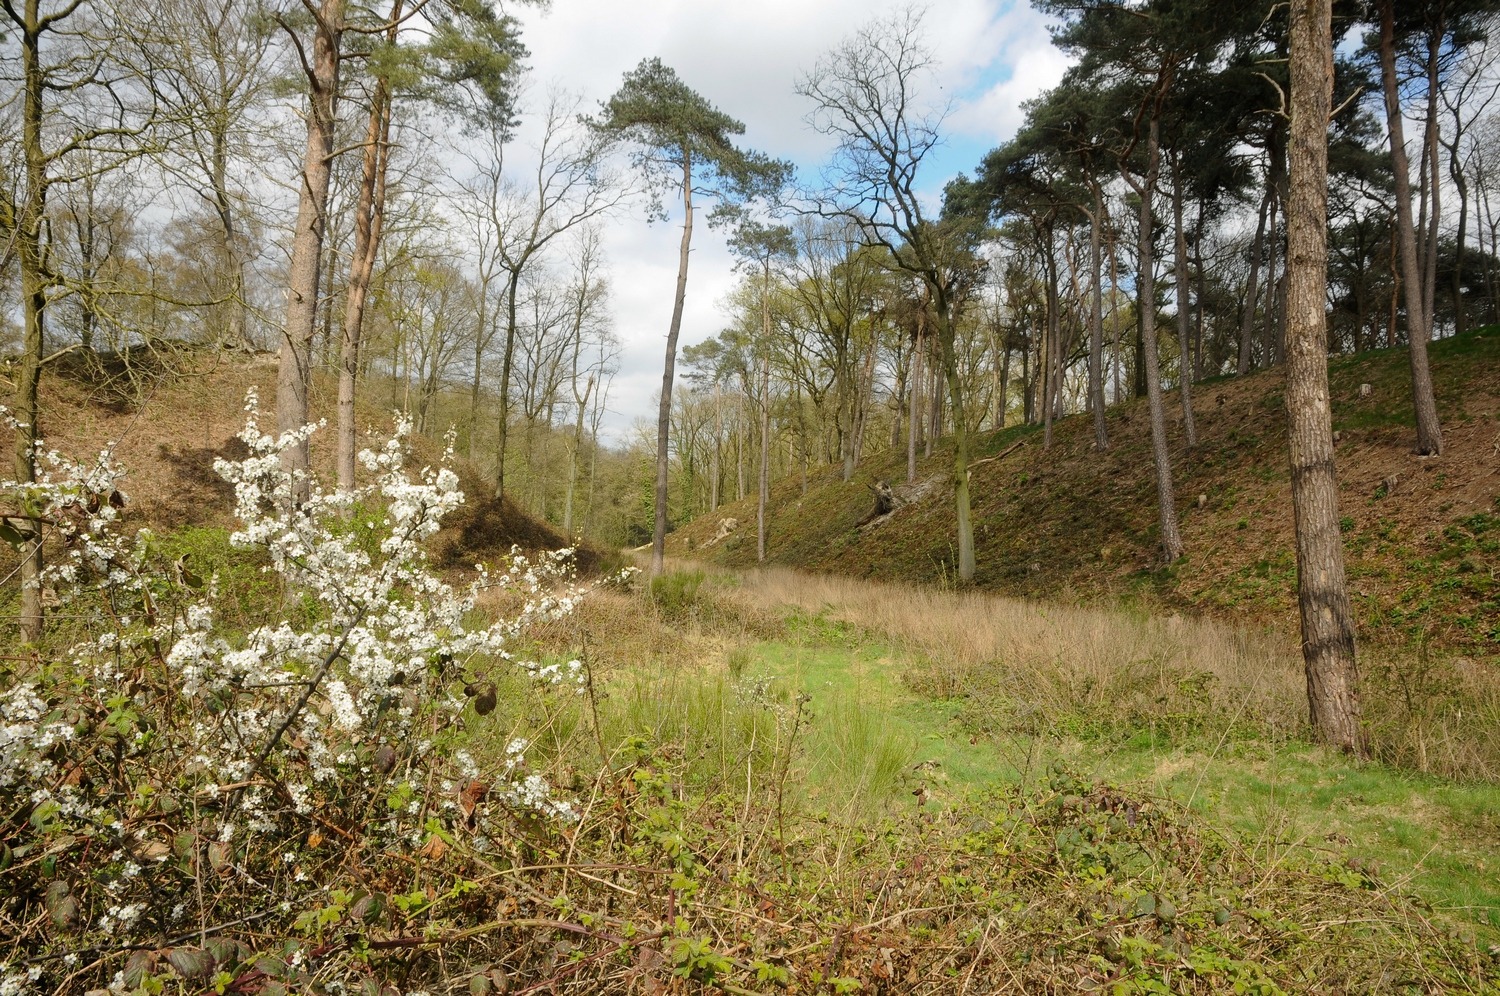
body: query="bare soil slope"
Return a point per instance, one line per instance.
(166, 422)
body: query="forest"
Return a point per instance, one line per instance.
(458, 765)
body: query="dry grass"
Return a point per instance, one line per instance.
(1051, 660)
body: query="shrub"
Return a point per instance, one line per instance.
(190, 803)
(676, 593)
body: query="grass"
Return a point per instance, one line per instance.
(920, 700)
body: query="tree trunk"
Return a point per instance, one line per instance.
(914, 420)
(1418, 322)
(664, 411)
(1184, 319)
(1096, 322)
(763, 492)
(507, 362)
(31, 254)
(1114, 311)
(1171, 536)
(1270, 321)
(1200, 306)
(231, 267)
(1460, 249)
(934, 406)
(715, 469)
(1328, 647)
(1051, 348)
(369, 219)
(1004, 386)
(1026, 392)
(1431, 146)
(295, 358)
(943, 307)
(862, 413)
(573, 452)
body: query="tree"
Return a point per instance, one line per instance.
(467, 47)
(320, 63)
(864, 93)
(213, 66)
(588, 293)
(57, 63)
(567, 187)
(1328, 648)
(763, 246)
(1064, 119)
(682, 141)
(1470, 92)
(1433, 21)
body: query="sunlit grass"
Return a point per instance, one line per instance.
(914, 700)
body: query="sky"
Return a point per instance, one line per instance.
(745, 57)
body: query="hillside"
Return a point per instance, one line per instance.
(167, 420)
(1422, 534)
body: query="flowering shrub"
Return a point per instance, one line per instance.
(185, 805)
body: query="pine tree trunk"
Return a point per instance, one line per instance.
(1096, 322)
(369, 219)
(1327, 621)
(1418, 321)
(295, 357)
(1270, 320)
(1432, 146)
(1050, 347)
(1460, 249)
(664, 411)
(1171, 535)
(1247, 323)
(1184, 319)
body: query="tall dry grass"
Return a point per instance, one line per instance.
(1036, 661)
(1024, 665)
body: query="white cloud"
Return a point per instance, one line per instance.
(746, 58)
(1025, 64)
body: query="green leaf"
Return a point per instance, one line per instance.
(191, 963)
(61, 905)
(10, 533)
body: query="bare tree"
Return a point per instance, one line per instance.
(763, 247)
(64, 50)
(594, 351)
(567, 185)
(865, 93)
(213, 65)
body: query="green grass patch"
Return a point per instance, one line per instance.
(1426, 836)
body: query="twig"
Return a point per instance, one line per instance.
(999, 456)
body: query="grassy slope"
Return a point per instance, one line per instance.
(1423, 535)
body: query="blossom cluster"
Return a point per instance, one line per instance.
(172, 745)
